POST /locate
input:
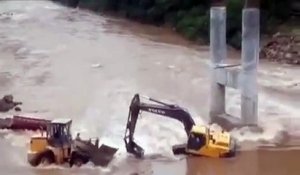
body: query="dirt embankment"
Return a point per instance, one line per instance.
(283, 48)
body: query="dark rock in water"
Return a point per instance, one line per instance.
(7, 103)
(18, 109)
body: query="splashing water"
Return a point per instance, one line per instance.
(59, 44)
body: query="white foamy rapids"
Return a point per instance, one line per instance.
(275, 118)
(20, 17)
(106, 115)
(270, 131)
(156, 134)
(15, 144)
(20, 139)
(89, 125)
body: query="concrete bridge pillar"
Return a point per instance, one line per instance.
(218, 55)
(242, 77)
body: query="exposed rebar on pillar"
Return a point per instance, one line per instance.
(250, 57)
(218, 55)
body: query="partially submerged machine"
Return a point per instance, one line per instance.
(55, 143)
(18, 122)
(201, 141)
(57, 146)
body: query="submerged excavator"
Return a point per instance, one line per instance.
(201, 141)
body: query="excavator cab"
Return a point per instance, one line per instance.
(205, 142)
(196, 140)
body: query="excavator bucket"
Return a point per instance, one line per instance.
(134, 149)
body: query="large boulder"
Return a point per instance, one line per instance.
(7, 103)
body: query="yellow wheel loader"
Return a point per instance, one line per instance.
(201, 141)
(56, 146)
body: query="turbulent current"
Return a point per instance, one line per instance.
(71, 63)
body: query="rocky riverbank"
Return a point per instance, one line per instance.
(282, 48)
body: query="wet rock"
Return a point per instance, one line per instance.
(7, 103)
(18, 109)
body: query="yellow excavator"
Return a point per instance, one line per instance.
(201, 141)
(55, 145)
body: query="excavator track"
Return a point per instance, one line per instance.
(179, 149)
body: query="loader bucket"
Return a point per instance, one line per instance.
(103, 155)
(99, 156)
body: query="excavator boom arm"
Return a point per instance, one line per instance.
(160, 108)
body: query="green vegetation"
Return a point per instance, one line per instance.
(191, 17)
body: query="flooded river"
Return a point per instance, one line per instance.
(72, 63)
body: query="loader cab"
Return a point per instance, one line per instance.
(53, 146)
(58, 132)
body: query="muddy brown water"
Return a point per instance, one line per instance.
(262, 162)
(72, 63)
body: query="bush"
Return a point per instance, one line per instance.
(89, 4)
(234, 22)
(193, 26)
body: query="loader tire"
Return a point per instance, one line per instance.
(78, 160)
(34, 162)
(46, 158)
